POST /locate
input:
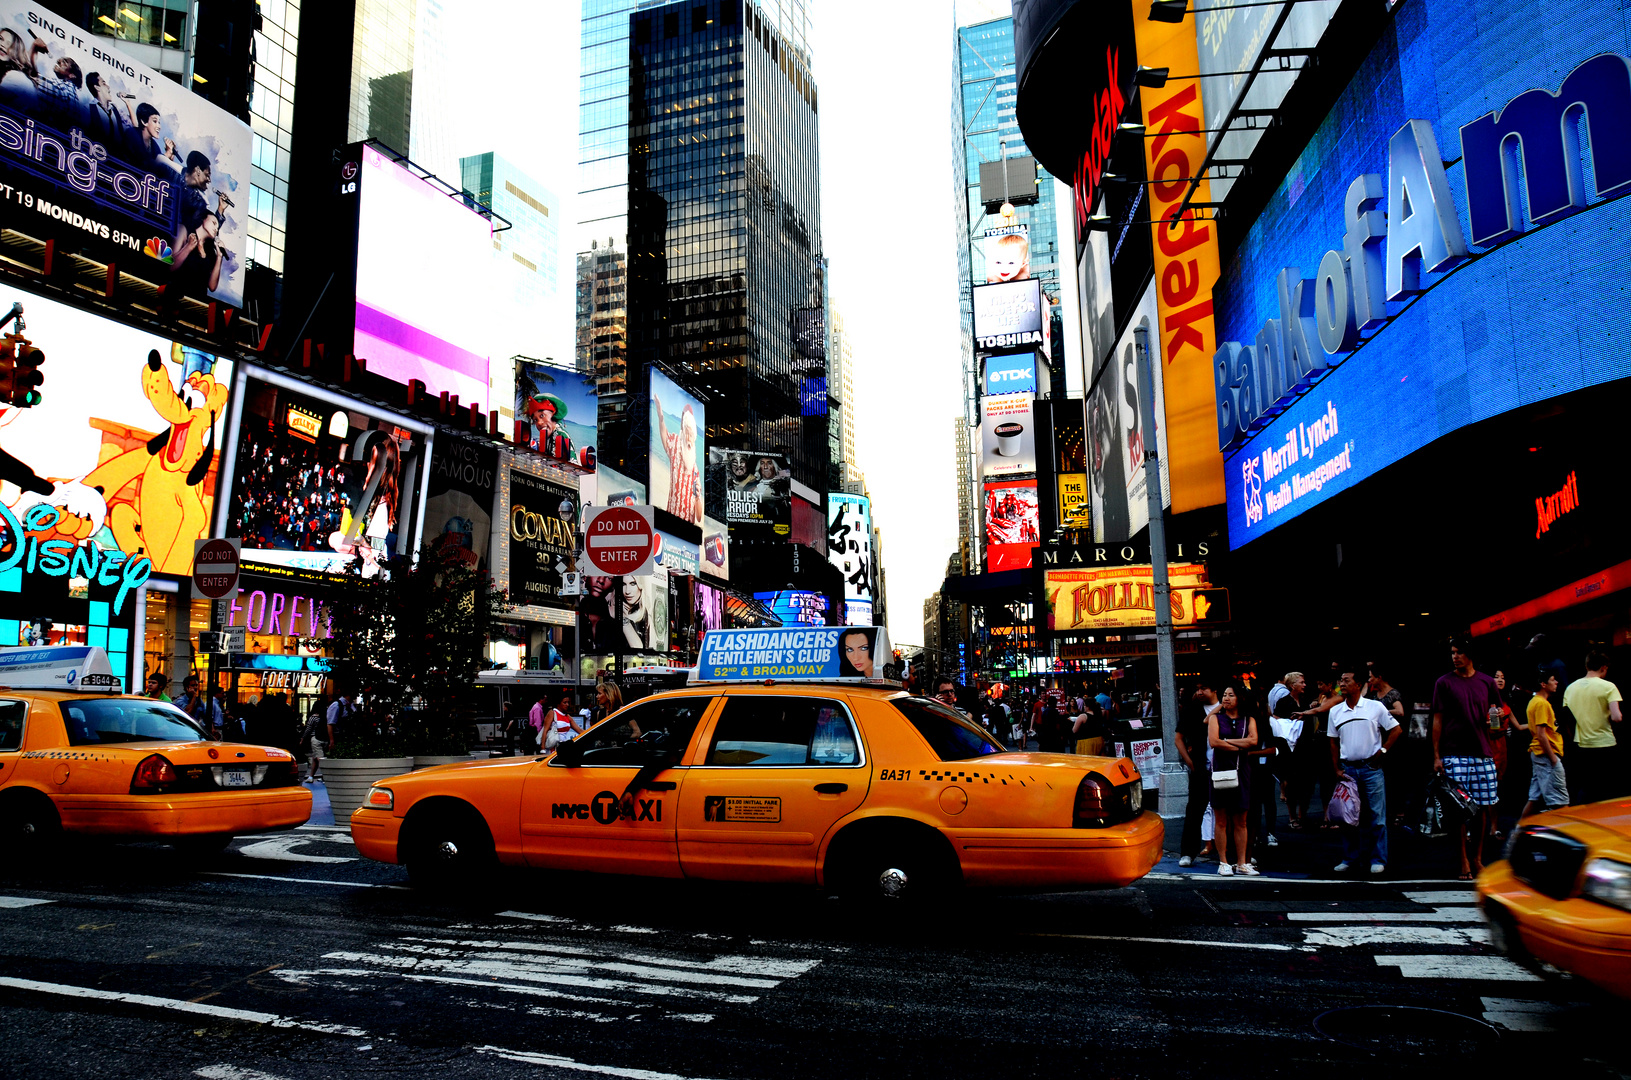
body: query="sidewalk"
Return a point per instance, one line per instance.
(321, 812)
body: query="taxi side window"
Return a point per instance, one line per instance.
(672, 721)
(12, 714)
(762, 730)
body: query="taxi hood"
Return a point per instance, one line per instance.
(1613, 815)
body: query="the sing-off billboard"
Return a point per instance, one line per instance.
(106, 154)
(1403, 298)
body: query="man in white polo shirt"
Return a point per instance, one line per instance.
(1361, 731)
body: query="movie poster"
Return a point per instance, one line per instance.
(124, 440)
(678, 426)
(121, 157)
(459, 498)
(543, 539)
(317, 484)
(1012, 528)
(757, 487)
(556, 413)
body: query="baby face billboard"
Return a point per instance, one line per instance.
(556, 413)
(123, 441)
(676, 463)
(106, 152)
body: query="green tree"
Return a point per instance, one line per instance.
(409, 642)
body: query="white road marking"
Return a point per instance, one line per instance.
(1344, 936)
(281, 848)
(525, 972)
(1447, 896)
(21, 901)
(531, 917)
(1518, 1014)
(1437, 915)
(303, 880)
(739, 965)
(300, 977)
(325, 828)
(197, 1008)
(1496, 968)
(532, 1058)
(1261, 945)
(232, 1072)
(1211, 875)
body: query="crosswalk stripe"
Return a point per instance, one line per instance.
(1438, 915)
(1348, 936)
(1519, 1014)
(1442, 897)
(22, 902)
(1430, 966)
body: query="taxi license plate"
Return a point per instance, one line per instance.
(236, 778)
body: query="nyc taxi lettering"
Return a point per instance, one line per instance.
(605, 809)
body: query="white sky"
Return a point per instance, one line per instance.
(884, 71)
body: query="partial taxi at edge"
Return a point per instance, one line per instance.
(859, 788)
(1563, 894)
(129, 767)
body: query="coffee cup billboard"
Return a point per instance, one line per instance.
(1007, 438)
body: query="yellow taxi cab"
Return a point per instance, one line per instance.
(79, 757)
(1563, 893)
(783, 761)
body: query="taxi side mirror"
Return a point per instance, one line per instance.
(569, 753)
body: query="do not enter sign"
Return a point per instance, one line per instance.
(215, 567)
(618, 540)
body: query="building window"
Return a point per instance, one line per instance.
(146, 24)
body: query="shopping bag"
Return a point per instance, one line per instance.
(1344, 806)
(1445, 806)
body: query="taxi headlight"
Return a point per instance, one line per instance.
(1608, 881)
(380, 798)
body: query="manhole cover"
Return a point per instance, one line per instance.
(1407, 1030)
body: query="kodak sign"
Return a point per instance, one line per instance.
(1186, 261)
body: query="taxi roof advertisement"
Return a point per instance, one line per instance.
(108, 154)
(822, 654)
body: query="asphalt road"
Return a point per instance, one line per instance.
(290, 958)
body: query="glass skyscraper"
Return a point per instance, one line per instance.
(724, 231)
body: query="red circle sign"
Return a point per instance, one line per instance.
(618, 541)
(215, 569)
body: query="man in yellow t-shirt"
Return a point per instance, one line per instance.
(1595, 703)
(1547, 785)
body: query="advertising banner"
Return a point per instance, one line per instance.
(640, 625)
(678, 425)
(757, 487)
(556, 413)
(857, 613)
(1007, 251)
(1014, 373)
(1093, 295)
(710, 606)
(1008, 316)
(123, 441)
(796, 607)
(679, 556)
(318, 481)
(104, 151)
(853, 653)
(1186, 261)
(1117, 597)
(425, 301)
(1012, 528)
(543, 539)
(1007, 435)
(459, 498)
(1073, 501)
(849, 542)
(716, 548)
(1115, 429)
(608, 487)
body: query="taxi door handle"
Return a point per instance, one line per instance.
(831, 789)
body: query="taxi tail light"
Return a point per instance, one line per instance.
(153, 774)
(1093, 798)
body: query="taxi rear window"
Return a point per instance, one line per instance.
(953, 738)
(91, 721)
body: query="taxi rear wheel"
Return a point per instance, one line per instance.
(895, 867)
(30, 825)
(447, 846)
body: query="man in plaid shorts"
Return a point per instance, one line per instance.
(1463, 703)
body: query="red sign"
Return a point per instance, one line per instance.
(215, 567)
(619, 541)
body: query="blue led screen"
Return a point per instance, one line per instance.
(1539, 316)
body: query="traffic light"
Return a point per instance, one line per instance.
(1211, 606)
(8, 367)
(27, 376)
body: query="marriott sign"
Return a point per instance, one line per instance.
(1395, 231)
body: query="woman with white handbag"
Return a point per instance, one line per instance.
(1230, 730)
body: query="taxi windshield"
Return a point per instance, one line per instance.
(91, 721)
(953, 738)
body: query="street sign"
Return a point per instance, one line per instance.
(230, 640)
(619, 540)
(215, 567)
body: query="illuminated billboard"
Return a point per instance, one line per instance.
(1007, 251)
(118, 159)
(424, 298)
(716, 549)
(1012, 525)
(1120, 506)
(556, 413)
(757, 487)
(849, 543)
(1119, 597)
(1012, 373)
(796, 607)
(1007, 435)
(678, 427)
(540, 536)
(319, 479)
(459, 498)
(1009, 316)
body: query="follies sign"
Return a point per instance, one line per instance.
(1109, 598)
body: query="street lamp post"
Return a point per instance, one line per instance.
(1174, 790)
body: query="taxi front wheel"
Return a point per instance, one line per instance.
(447, 848)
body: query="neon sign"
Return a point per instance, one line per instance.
(36, 554)
(1548, 508)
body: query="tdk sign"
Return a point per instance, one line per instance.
(1395, 232)
(1014, 374)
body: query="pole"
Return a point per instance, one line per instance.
(617, 631)
(1174, 788)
